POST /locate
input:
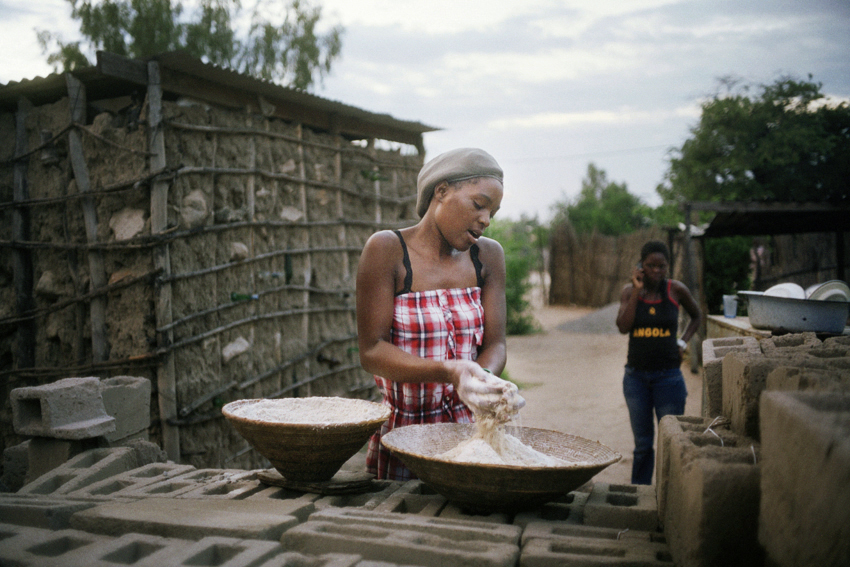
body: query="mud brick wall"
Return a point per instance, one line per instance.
(245, 291)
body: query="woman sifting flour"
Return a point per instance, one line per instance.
(431, 305)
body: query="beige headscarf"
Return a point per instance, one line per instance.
(454, 165)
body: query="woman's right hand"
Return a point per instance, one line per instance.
(637, 278)
(482, 391)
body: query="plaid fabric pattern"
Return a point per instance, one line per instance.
(443, 324)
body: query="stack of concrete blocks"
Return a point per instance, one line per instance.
(805, 481)
(727, 494)
(713, 351)
(71, 416)
(170, 514)
(708, 493)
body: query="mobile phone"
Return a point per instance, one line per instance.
(640, 265)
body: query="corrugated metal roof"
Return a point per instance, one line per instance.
(187, 76)
(766, 218)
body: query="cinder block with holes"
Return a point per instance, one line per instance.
(713, 351)
(194, 483)
(403, 544)
(84, 469)
(127, 484)
(622, 506)
(215, 551)
(375, 496)
(550, 544)
(129, 549)
(710, 496)
(567, 509)
(461, 530)
(804, 516)
(413, 497)
(35, 546)
(67, 409)
(194, 518)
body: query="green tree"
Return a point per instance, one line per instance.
(289, 51)
(784, 143)
(603, 206)
(523, 243)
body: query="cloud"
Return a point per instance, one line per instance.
(622, 116)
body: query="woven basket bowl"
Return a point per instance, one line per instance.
(487, 488)
(308, 452)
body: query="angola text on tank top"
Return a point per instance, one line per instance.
(441, 324)
(652, 340)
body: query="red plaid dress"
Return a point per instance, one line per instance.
(443, 324)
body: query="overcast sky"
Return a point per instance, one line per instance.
(545, 86)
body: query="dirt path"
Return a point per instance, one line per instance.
(571, 377)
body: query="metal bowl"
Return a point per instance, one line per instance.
(788, 315)
(308, 452)
(485, 488)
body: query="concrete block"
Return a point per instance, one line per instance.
(37, 547)
(15, 467)
(83, 470)
(567, 509)
(809, 379)
(712, 498)
(546, 544)
(713, 351)
(129, 549)
(294, 559)
(791, 342)
(215, 551)
(804, 516)
(194, 519)
(67, 409)
(413, 497)
(403, 543)
(195, 482)
(671, 427)
(381, 490)
(45, 512)
(127, 485)
(744, 379)
(622, 506)
(462, 530)
(128, 400)
(44, 454)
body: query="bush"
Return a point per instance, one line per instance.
(521, 241)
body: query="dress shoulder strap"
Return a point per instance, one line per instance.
(473, 253)
(408, 276)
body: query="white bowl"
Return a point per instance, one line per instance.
(790, 290)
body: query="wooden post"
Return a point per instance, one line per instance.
(691, 283)
(165, 376)
(97, 273)
(21, 257)
(308, 258)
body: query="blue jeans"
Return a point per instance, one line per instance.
(664, 392)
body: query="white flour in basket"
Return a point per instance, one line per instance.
(492, 445)
(310, 411)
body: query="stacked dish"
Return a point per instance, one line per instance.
(833, 290)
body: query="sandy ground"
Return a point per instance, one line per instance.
(571, 377)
